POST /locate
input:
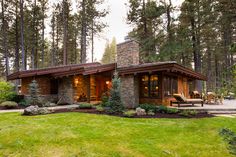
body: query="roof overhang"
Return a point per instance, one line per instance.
(158, 67)
(96, 68)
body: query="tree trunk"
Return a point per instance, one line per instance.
(92, 36)
(64, 10)
(83, 34)
(43, 3)
(22, 34)
(53, 41)
(197, 65)
(17, 63)
(170, 37)
(5, 48)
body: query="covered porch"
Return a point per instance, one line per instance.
(87, 88)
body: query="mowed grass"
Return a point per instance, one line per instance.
(78, 134)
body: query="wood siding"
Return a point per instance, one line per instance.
(44, 83)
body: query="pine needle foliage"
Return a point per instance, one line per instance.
(34, 93)
(115, 103)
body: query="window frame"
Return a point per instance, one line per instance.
(171, 79)
(149, 86)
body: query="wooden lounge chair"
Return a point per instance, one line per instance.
(181, 99)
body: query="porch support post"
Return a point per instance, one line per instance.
(88, 87)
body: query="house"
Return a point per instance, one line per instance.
(140, 83)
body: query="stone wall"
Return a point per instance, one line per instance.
(65, 90)
(130, 91)
(127, 53)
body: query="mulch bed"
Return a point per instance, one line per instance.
(157, 115)
(15, 108)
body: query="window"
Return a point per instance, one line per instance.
(170, 85)
(145, 86)
(149, 86)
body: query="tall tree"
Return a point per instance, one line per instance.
(144, 16)
(4, 42)
(22, 34)
(109, 55)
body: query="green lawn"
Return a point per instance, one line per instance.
(78, 134)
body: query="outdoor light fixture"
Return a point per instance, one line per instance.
(76, 82)
(107, 82)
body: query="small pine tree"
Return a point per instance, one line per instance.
(115, 103)
(34, 92)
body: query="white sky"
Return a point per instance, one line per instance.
(117, 26)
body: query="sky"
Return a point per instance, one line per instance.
(117, 25)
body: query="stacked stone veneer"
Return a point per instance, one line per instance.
(65, 90)
(127, 55)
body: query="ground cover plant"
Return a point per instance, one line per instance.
(91, 135)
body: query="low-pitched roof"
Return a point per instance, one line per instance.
(94, 68)
(161, 66)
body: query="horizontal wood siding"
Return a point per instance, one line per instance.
(43, 81)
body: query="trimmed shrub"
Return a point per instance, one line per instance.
(115, 103)
(9, 104)
(129, 113)
(148, 107)
(100, 108)
(85, 106)
(188, 113)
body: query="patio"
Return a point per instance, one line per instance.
(228, 106)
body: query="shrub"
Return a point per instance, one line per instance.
(85, 106)
(162, 109)
(129, 113)
(34, 93)
(151, 113)
(188, 113)
(105, 100)
(6, 90)
(115, 103)
(15, 97)
(9, 104)
(24, 103)
(148, 107)
(230, 137)
(172, 111)
(100, 108)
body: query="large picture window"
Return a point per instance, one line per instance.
(170, 85)
(149, 86)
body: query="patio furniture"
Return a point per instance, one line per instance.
(195, 95)
(181, 99)
(230, 96)
(211, 98)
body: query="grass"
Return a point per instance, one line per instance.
(78, 134)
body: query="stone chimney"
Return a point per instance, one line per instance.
(127, 53)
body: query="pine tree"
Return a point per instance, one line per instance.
(34, 92)
(109, 55)
(115, 103)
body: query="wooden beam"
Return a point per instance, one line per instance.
(88, 87)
